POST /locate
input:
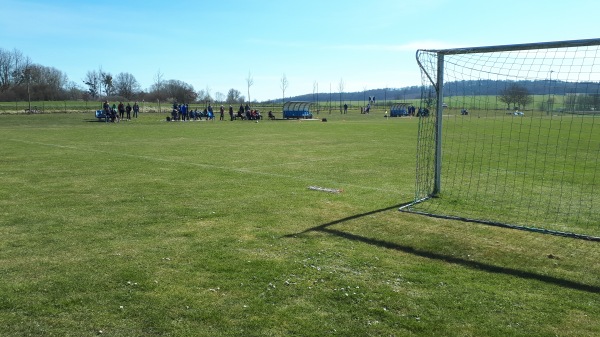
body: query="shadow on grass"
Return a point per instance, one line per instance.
(325, 228)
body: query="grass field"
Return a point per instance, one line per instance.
(149, 228)
(536, 170)
(22, 107)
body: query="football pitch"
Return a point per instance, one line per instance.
(275, 228)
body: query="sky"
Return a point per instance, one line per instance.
(317, 45)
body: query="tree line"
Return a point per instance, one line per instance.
(23, 80)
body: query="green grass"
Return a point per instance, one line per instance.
(148, 228)
(21, 107)
(535, 170)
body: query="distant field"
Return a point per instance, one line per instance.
(154, 107)
(455, 104)
(149, 228)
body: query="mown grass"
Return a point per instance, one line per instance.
(534, 170)
(149, 228)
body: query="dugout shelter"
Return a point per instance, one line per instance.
(398, 110)
(298, 110)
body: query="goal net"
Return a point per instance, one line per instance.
(510, 136)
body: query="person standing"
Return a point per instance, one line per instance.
(106, 109)
(121, 108)
(128, 110)
(231, 112)
(222, 113)
(136, 109)
(241, 111)
(211, 114)
(175, 111)
(114, 113)
(184, 112)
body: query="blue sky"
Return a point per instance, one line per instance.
(216, 45)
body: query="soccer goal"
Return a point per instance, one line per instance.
(510, 136)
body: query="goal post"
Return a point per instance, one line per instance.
(510, 135)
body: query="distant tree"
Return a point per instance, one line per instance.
(12, 67)
(107, 82)
(6, 69)
(428, 99)
(180, 91)
(570, 102)
(92, 80)
(219, 96)
(26, 74)
(233, 96)
(283, 86)
(201, 94)
(515, 94)
(74, 91)
(250, 82)
(588, 102)
(126, 85)
(46, 83)
(207, 97)
(341, 87)
(524, 98)
(20, 63)
(158, 85)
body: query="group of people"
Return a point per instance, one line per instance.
(244, 112)
(367, 109)
(116, 113)
(182, 112)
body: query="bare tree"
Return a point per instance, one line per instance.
(234, 96)
(126, 85)
(92, 80)
(74, 91)
(106, 80)
(201, 94)
(46, 83)
(11, 69)
(316, 94)
(26, 74)
(20, 62)
(283, 86)
(341, 87)
(159, 84)
(219, 96)
(515, 94)
(6, 69)
(208, 97)
(250, 82)
(23, 79)
(180, 91)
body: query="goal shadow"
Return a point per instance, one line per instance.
(476, 265)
